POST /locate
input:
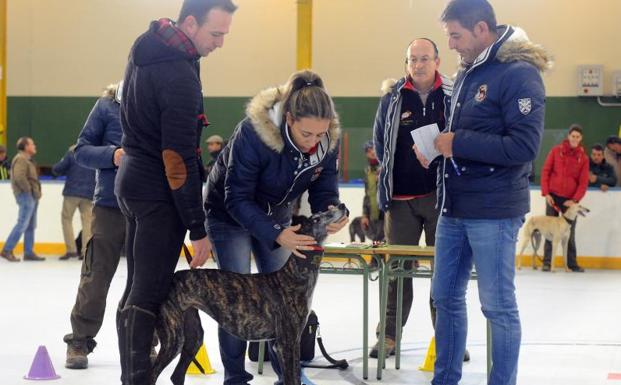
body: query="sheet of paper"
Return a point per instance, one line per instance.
(423, 139)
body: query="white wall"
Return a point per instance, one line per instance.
(597, 234)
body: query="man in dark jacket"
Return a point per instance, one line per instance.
(160, 177)
(601, 174)
(407, 191)
(98, 149)
(77, 195)
(494, 131)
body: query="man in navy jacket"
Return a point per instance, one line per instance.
(494, 130)
(98, 148)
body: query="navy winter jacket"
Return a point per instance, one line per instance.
(260, 172)
(497, 114)
(99, 138)
(386, 131)
(162, 119)
(80, 180)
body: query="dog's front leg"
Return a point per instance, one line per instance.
(287, 349)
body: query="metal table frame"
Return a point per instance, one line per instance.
(385, 256)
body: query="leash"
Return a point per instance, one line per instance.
(186, 252)
(198, 365)
(334, 364)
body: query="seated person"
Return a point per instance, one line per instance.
(601, 174)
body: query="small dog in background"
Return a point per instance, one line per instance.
(553, 229)
(375, 230)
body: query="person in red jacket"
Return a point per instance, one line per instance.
(564, 181)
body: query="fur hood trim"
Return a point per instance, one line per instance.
(519, 48)
(265, 114)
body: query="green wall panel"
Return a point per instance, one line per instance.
(54, 122)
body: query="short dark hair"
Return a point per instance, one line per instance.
(22, 143)
(469, 12)
(598, 147)
(435, 47)
(575, 127)
(614, 139)
(200, 8)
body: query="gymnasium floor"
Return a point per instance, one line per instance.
(571, 329)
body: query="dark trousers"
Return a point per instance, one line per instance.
(155, 234)
(571, 245)
(100, 262)
(404, 224)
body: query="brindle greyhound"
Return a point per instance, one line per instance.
(253, 307)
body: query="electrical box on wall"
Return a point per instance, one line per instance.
(591, 80)
(616, 84)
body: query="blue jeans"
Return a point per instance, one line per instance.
(26, 224)
(232, 246)
(490, 245)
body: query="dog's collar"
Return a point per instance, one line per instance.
(567, 220)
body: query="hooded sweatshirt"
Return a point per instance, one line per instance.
(162, 119)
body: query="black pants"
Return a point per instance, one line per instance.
(404, 224)
(100, 262)
(571, 245)
(155, 234)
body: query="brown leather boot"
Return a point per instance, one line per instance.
(77, 350)
(389, 347)
(9, 256)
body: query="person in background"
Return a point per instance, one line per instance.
(564, 181)
(77, 194)
(372, 221)
(5, 164)
(612, 154)
(601, 174)
(407, 191)
(214, 147)
(27, 190)
(98, 148)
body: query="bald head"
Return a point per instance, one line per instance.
(422, 62)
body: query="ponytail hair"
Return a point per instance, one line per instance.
(306, 97)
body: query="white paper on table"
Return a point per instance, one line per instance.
(423, 139)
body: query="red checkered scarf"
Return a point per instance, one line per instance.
(174, 37)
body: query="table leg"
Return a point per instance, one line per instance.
(399, 319)
(365, 322)
(382, 334)
(261, 356)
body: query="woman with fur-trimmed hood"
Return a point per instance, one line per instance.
(286, 145)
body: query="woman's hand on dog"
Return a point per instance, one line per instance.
(202, 251)
(336, 226)
(290, 239)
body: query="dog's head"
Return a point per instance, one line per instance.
(315, 226)
(574, 210)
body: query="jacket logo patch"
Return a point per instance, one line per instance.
(524, 106)
(481, 93)
(316, 173)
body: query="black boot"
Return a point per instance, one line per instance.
(135, 337)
